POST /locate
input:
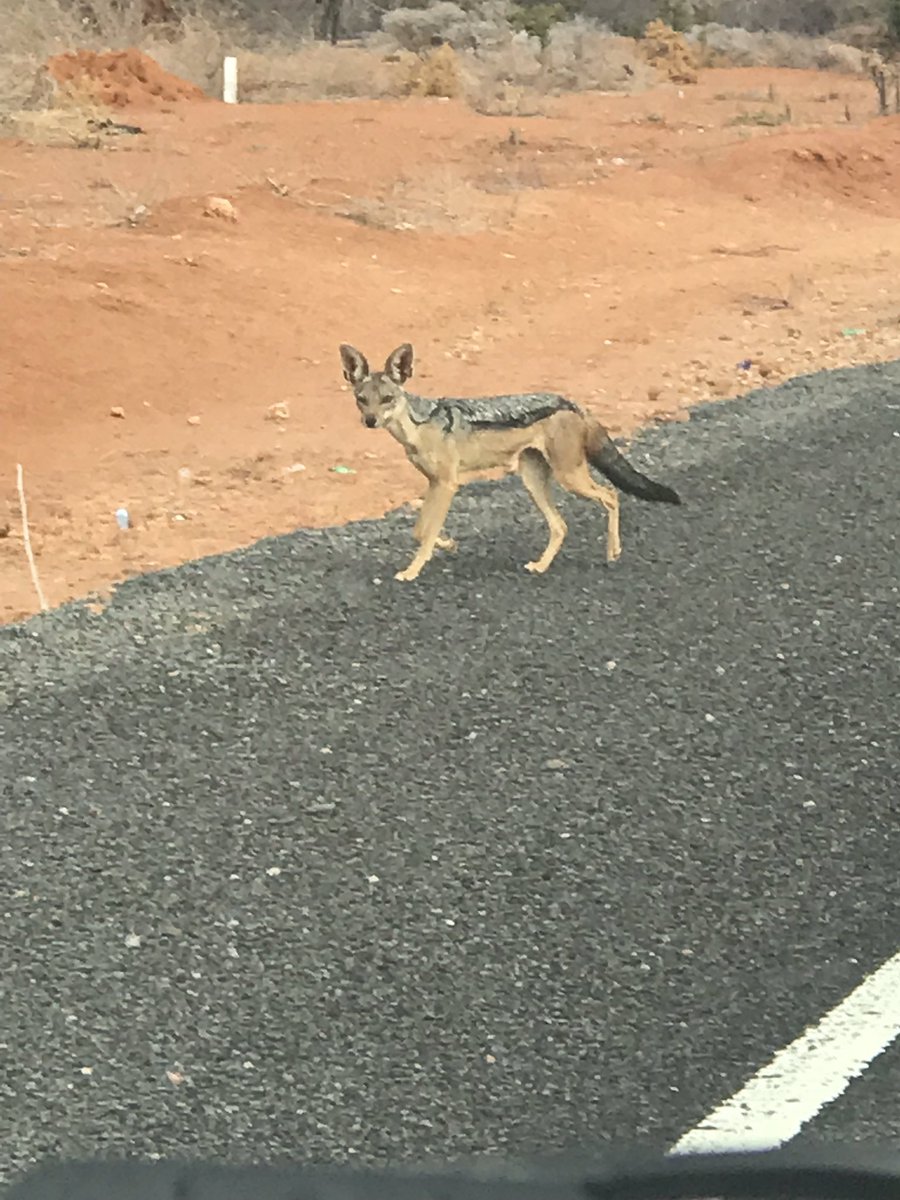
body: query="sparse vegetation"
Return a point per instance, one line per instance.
(500, 56)
(442, 201)
(320, 71)
(718, 45)
(762, 116)
(34, 33)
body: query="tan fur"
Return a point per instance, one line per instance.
(556, 447)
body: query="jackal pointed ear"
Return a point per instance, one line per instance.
(399, 363)
(356, 368)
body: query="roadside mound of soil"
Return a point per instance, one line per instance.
(848, 166)
(120, 78)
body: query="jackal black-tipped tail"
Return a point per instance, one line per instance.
(619, 471)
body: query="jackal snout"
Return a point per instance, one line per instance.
(376, 399)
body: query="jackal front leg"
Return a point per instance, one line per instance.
(441, 542)
(429, 525)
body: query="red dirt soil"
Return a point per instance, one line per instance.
(121, 78)
(628, 250)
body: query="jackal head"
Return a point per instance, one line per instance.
(378, 394)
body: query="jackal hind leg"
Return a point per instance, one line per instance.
(579, 481)
(537, 475)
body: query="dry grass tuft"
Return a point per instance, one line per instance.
(318, 71)
(56, 114)
(497, 98)
(762, 116)
(441, 201)
(52, 127)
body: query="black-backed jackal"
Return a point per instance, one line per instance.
(539, 434)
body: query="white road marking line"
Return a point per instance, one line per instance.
(811, 1072)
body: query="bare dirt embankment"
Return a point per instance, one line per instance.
(637, 252)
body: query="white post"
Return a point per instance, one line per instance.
(229, 80)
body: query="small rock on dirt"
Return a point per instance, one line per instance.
(117, 411)
(218, 206)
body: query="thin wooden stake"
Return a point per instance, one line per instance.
(26, 537)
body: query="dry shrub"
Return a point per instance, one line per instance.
(721, 45)
(669, 52)
(517, 61)
(836, 56)
(762, 116)
(479, 25)
(55, 114)
(582, 58)
(416, 29)
(34, 32)
(30, 36)
(195, 48)
(499, 99)
(514, 175)
(860, 35)
(441, 201)
(53, 26)
(435, 74)
(52, 127)
(319, 71)
(510, 79)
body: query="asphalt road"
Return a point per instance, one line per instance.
(301, 862)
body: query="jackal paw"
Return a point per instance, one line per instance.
(408, 574)
(446, 543)
(536, 568)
